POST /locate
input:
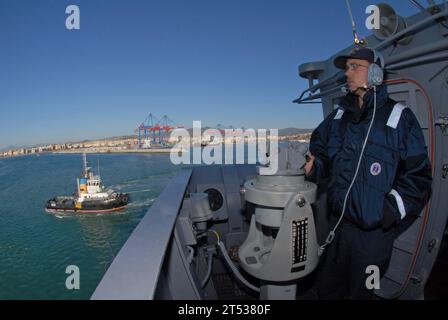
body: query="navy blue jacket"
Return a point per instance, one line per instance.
(394, 179)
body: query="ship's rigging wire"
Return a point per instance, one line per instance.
(417, 4)
(431, 3)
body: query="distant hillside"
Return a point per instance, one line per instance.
(281, 132)
(293, 131)
(7, 148)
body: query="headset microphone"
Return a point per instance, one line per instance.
(346, 90)
(363, 88)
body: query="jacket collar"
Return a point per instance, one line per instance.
(350, 102)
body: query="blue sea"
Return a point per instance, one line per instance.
(36, 247)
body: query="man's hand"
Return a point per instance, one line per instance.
(309, 163)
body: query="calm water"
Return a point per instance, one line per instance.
(36, 247)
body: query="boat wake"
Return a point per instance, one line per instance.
(139, 191)
(143, 203)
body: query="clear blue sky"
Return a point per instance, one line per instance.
(232, 62)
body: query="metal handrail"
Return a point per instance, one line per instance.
(135, 271)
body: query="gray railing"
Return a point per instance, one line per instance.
(134, 272)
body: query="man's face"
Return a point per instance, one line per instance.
(357, 73)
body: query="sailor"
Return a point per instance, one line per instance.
(383, 175)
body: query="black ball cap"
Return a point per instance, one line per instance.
(357, 53)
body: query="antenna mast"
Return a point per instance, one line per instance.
(355, 34)
(86, 169)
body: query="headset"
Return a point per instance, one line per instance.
(375, 72)
(375, 78)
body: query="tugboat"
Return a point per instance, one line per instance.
(91, 196)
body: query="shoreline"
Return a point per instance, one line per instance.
(158, 150)
(124, 151)
(102, 150)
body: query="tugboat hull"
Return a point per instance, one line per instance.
(69, 205)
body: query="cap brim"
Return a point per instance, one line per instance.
(341, 62)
